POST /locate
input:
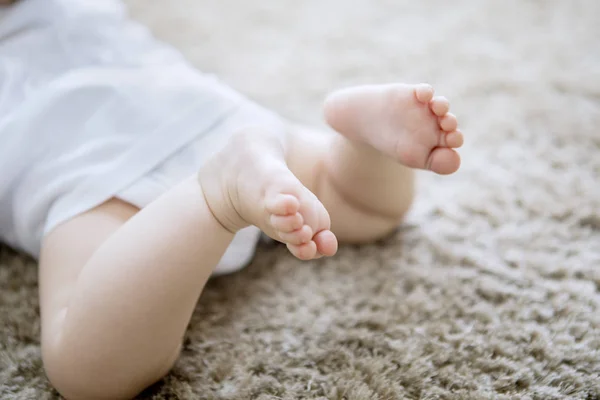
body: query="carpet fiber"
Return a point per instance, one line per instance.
(490, 290)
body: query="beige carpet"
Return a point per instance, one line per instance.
(491, 290)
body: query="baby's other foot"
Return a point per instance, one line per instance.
(249, 183)
(405, 122)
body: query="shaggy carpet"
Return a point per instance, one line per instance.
(490, 290)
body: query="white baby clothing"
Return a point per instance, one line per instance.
(93, 107)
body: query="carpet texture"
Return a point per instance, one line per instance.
(490, 290)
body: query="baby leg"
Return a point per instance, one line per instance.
(118, 286)
(365, 176)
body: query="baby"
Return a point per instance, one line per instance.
(134, 177)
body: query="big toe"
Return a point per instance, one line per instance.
(300, 221)
(326, 242)
(316, 216)
(314, 212)
(443, 161)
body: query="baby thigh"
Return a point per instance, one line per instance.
(117, 290)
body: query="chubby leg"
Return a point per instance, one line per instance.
(118, 286)
(364, 176)
(367, 194)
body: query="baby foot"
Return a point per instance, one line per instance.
(249, 183)
(402, 121)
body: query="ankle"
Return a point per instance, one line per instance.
(219, 199)
(221, 176)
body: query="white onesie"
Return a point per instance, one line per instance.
(93, 107)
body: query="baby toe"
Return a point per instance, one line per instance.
(282, 204)
(306, 251)
(439, 106)
(424, 92)
(287, 223)
(443, 161)
(454, 139)
(448, 122)
(326, 242)
(297, 237)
